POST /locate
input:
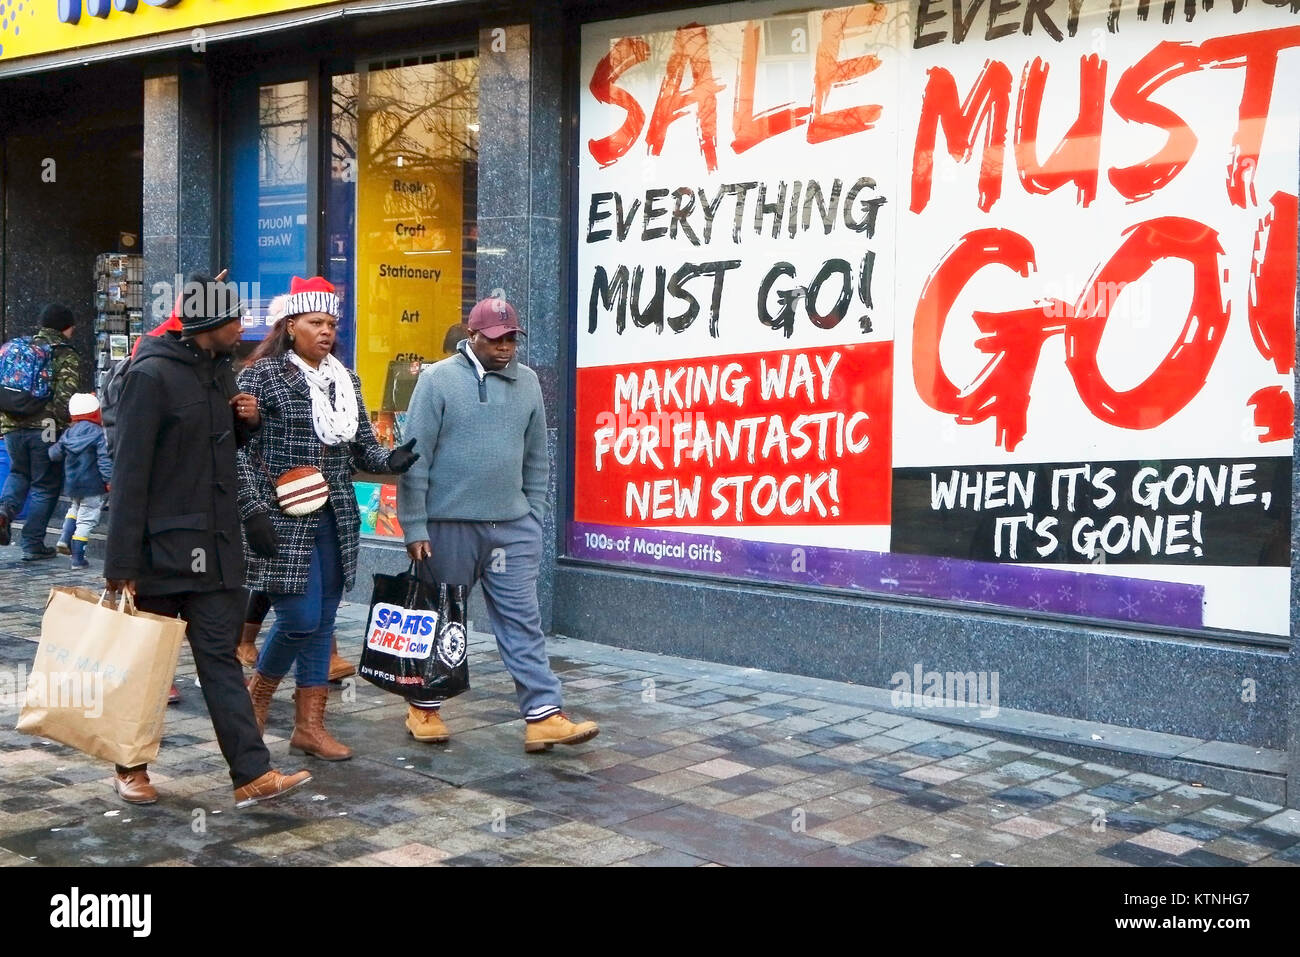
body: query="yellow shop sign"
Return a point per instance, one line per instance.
(29, 27)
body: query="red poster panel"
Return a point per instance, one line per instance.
(796, 437)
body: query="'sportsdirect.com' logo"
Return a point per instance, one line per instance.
(76, 910)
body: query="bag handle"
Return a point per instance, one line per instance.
(413, 574)
(125, 602)
(416, 584)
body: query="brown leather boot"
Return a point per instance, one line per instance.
(309, 734)
(270, 785)
(246, 650)
(132, 785)
(340, 667)
(260, 689)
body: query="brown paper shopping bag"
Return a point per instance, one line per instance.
(101, 674)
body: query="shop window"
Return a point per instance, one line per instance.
(865, 301)
(271, 161)
(401, 231)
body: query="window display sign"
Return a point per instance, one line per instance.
(414, 139)
(378, 507)
(269, 195)
(414, 130)
(988, 305)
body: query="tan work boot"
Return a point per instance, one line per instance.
(340, 667)
(270, 785)
(260, 689)
(133, 786)
(246, 650)
(557, 729)
(309, 734)
(426, 725)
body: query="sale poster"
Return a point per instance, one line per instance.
(989, 303)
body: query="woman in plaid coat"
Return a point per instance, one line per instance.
(312, 414)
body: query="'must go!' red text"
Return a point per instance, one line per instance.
(1013, 340)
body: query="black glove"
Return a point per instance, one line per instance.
(402, 458)
(261, 535)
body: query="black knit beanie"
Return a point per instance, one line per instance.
(206, 305)
(55, 316)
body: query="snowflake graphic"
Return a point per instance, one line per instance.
(837, 567)
(1035, 573)
(1128, 606)
(945, 563)
(961, 595)
(914, 567)
(1179, 608)
(1037, 602)
(989, 584)
(1159, 594)
(1066, 592)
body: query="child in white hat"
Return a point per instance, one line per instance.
(87, 471)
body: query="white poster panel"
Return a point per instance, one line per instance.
(988, 302)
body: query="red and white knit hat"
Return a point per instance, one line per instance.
(83, 405)
(312, 295)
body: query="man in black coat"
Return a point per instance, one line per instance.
(174, 531)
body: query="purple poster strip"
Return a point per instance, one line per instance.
(1049, 590)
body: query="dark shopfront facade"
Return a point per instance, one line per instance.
(941, 352)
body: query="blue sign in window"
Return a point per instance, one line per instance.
(270, 163)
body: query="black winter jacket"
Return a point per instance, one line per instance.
(174, 507)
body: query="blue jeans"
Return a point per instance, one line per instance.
(30, 468)
(303, 631)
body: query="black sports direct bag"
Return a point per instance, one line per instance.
(415, 641)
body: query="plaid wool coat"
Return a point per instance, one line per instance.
(286, 440)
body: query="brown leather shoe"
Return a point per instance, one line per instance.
(133, 786)
(557, 729)
(270, 785)
(426, 725)
(246, 650)
(260, 689)
(309, 734)
(340, 667)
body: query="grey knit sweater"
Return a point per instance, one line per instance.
(482, 447)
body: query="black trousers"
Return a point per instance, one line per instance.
(214, 619)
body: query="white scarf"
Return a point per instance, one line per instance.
(335, 422)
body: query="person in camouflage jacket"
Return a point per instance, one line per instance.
(28, 440)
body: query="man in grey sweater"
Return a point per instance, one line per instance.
(474, 503)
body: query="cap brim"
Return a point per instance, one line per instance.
(496, 332)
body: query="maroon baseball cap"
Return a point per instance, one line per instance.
(494, 318)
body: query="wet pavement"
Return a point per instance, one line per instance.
(695, 764)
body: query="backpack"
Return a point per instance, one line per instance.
(26, 376)
(110, 394)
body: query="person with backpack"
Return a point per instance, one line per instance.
(87, 472)
(38, 376)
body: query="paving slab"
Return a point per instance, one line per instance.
(721, 765)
